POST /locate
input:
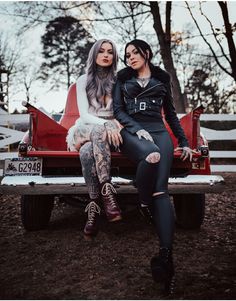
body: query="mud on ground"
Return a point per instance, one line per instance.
(57, 263)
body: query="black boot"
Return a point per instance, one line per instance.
(163, 269)
(146, 212)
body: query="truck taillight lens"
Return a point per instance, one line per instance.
(204, 151)
(22, 148)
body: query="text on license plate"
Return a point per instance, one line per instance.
(23, 166)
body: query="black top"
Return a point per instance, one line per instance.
(130, 101)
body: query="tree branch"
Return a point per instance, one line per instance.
(168, 21)
(214, 34)
(229, 35)
(205, 40)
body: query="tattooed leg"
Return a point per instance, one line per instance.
(102, 153)
(83, 134)
(89, 170)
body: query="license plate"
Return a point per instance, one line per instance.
(23, 166)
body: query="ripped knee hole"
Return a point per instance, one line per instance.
(153, 157)
(158, 193)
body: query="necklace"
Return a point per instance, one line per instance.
(143, 81)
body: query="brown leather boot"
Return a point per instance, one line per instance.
(111, 207)
(91, 227)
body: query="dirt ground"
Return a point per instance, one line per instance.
(57, 263)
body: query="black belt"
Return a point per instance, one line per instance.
(134, 105)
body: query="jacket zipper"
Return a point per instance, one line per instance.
(135, 99)
(148, 89)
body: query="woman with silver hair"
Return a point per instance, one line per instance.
(96, 132)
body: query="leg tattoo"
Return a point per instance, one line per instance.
(101, 153)
(89, 170)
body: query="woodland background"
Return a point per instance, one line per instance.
(45, 44)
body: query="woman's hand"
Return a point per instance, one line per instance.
(187, 152)
(113, 128)
(144, 134)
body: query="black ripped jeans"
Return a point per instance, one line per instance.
(153, 177)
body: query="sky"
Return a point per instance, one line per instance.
(54, 101)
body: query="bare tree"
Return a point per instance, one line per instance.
(164, 38)
(29, 75)
(227, 62)
(9, 57)
(34, 13)
(127, 18)
(204, 85)
(201, 78)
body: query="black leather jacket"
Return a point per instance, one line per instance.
(130, 100)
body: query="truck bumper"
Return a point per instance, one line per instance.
(27, 185)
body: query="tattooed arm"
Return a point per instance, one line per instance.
(113, 128)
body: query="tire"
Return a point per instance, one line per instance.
(36, 211)
(189, 210)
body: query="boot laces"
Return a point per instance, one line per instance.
(165, 253)
(92, 208)
(108, 190)
(148, 211)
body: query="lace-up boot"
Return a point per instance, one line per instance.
(111, 207)
(146, 212)
(163, 269)
(91, 226)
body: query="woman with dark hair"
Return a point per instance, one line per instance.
(96, 132)
(142, 90)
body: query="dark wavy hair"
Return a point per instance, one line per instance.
(142, 48)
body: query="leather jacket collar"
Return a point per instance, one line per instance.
(128, 73)
(132, 88)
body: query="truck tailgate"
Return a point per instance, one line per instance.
(23, 185)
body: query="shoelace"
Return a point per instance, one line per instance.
(108, 190)
(147, 210)
(165, 253)
(92, 208)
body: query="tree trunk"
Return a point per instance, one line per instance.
(164, 39)
(229, 36)
(68, 64)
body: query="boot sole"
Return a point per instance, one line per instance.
(115, 219)
(89, 237)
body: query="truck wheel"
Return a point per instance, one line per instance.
(36, 211)
(189, 210)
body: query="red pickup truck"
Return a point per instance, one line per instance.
(45, 169)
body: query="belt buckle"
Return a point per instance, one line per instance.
(142, 106)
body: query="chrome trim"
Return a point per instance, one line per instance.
(76, 185)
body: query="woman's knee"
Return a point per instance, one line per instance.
(153, 157)
(98, 132)
(85, 151)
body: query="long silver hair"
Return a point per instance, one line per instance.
(97, 85)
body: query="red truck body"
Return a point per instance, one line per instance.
(48, 138)
(61, 174)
